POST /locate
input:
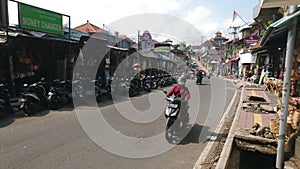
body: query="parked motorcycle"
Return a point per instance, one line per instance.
(34, 98)
(146, 83)
(60, 94)
(169, 79)
(5, 106)
(155, 82)
(101, 88)
(177, 118)
(135, 87)
(161, 82)
(120, 86)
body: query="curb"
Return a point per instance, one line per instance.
(225, 154)
(201, 160)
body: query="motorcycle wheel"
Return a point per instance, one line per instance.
(29, 108)
(55, 102)
(2, 114)
(154, 85)
(147, 87)
(6, 111)
(132, 92)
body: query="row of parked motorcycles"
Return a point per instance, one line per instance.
(134, 85)
(42, 96)
(36, 97)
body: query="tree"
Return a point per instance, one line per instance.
(183, 47)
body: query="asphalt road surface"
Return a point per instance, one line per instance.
(57, 140)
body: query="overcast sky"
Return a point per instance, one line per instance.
(208, 16)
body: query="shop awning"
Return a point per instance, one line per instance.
(164, 57)
(247, 58)
(148, 55)
(278, 28)
(277, 3)
(117, 48)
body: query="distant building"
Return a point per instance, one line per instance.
(219, 39)
(99, 32)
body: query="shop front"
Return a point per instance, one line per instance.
(274, 41)
(28, 59)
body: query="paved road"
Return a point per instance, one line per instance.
(56, 139)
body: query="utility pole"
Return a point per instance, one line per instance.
(286, 91)
(235, 28)
(138, 49)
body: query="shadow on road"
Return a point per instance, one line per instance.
(194, 135)
(200, 134)
(5, 121)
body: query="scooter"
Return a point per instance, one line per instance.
(146, 83)
(60, 94)
(134, 87)
(177, 118)
(5, 106)
(34, 98)
(200, 76)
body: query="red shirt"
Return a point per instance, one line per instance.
(179, 91)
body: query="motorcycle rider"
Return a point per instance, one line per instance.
(199, 72)
(180, 90)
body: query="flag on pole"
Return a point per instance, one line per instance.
(234, 15)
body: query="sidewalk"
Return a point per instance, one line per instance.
(253, 125)
(251, 131)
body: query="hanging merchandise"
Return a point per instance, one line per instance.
(295, 71)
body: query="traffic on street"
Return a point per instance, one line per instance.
(150, 84)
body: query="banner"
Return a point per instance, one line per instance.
(34, 18)
(146, 42)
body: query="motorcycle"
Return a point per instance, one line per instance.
(60, 93)
(135, 87)
(169, 80)
(200, 76)
(177, 118)
(146, 83)
(101, 88)
(5, 106)
(155, 82)
(34, 98)
(84, 91)
(120, 86)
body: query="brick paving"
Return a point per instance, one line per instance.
(247, 118)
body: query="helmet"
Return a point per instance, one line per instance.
(181, 80)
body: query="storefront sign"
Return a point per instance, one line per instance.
(250, 40)
(146, 42)
(38, 19)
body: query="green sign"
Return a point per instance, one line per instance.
(38, 19)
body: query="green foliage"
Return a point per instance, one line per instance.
(281, 11)
(183, 47)
(241, 46)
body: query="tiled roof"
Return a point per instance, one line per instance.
(124, 37)
(89, 28)
(168, 40)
